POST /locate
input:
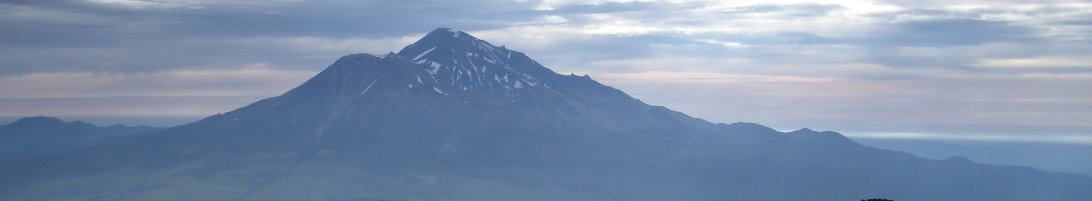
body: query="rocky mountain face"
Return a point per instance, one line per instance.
(452, 117)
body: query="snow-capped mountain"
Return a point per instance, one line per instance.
(452, 117)
(460, 62)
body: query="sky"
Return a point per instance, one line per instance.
(949, 70)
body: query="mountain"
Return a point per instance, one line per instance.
(453, 117)
(44, 132)
(1072, 158)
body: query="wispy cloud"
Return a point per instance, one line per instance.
(257, 79)
(160, 98)
(1066, 139)
(325, 47)
(1036, 62)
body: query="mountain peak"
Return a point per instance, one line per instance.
(462, 62)
(43, 122)
(449, 33)
(451, 39)
(445, 74)
(38, 120)
(445, 63)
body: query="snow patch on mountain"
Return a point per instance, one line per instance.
(439, 91)
(423, 53)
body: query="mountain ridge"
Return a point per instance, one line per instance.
(48, 133)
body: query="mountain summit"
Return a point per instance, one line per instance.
(450, 85)
(452, 117)
(462, 62)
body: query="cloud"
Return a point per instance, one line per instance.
(255, 80)
(579, 7)
(951, 32)
(139, 4)
(710, 78)
(310, 53)
(930, 102)
(1036, 62)
(331, 46)
(785, 11)
(663, 64)
(723, 43)
(163, 98)
(1066, 139)
(144, 110)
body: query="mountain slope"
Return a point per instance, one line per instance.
(452, 117)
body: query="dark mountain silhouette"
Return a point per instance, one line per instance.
(452, 117)
(1072, 158)
(45, 133)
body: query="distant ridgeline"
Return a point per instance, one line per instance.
(40, 135)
